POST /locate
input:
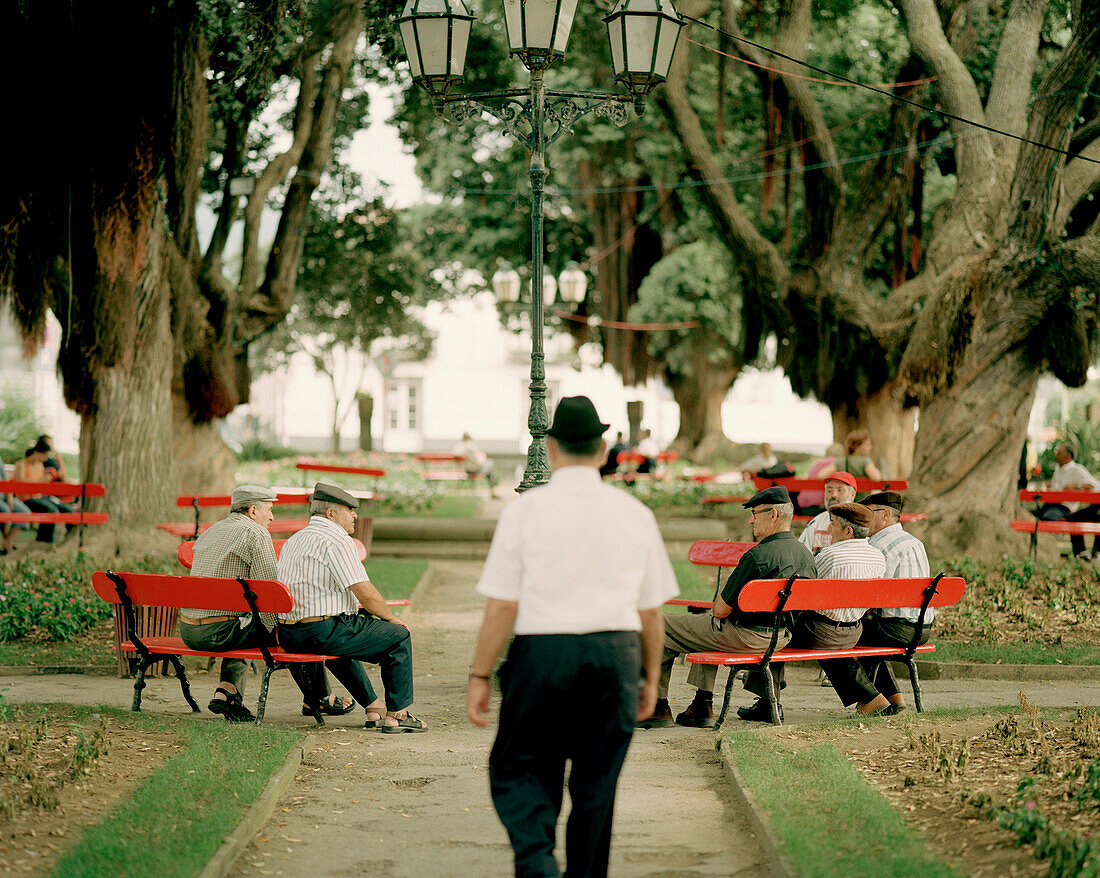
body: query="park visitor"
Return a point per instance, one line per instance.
(812, 502)
(338, 611)
(777, 555)
(240, 546)
(32, 468)
(857, 458)
(840, 487)
(764, 459)
(578, 572)
(1069, 475)
(905, 559)
(476, 462)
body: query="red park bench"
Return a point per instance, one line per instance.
(711, 553)
(62, 491)
(1036, 527)
(455, 472)
(131, 590)
(198, 502)
(795, 594)
(308, 465)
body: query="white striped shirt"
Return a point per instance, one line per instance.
(850, 559)
(905, 559)
(319, 564)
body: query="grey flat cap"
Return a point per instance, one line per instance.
(251, 494)
(332, 494)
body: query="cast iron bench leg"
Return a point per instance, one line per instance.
(139, 683)
(184, 685)
(726, 699)
(912, 664)
(770, 694)
(268, 670)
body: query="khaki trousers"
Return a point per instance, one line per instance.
(696, 633)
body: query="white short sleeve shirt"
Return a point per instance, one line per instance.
(579, 556)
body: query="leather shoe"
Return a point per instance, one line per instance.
(893, 710)
(699, 715)
(661, 718)
(758, 712)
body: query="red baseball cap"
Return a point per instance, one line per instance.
(847, 478)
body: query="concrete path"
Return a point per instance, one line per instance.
(396, 805)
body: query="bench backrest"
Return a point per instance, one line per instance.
(54, 489)
(200, 592)
(185, 552)
(312, 465)
(717, 553)
(210, 500)
(1027, 496)
(762, 595)
(819, 484)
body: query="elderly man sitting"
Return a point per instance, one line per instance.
(338, 611)
(840, 487)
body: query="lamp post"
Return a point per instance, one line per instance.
(643, 36)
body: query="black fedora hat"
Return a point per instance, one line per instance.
(575, 418)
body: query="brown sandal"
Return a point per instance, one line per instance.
(407, 723)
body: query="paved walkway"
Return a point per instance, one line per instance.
(419, 804)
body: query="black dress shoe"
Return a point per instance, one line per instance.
(758, 712)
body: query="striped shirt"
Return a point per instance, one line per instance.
(319, 565)
(905, 559)
(234, 547)
(850, 559)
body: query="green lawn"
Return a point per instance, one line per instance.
(1015, 653)
(447, 506)
(828, 820)
(178, 817)
(395, 577)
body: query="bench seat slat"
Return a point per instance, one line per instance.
(862, 484)
(54, 518)
(176, 646)
(312, 466)
(53, 489)
(206, 501)
(1040, 496)
(1056, 527)
(795, 655)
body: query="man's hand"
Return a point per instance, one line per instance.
(397, 620)
(477, 701)
(648, 700)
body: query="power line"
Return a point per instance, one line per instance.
(891, 95)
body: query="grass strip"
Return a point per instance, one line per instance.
(447, 506)
(1015, 653)
(830, 822)
(180, 815)
(395, 577)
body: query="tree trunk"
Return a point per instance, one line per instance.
(892, 429)
(700, 398)
(966, 456)
(206, 464)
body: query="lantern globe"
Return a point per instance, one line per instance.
(572, 283)
(436, 34)
(506, 284)
(643, 36)
(538, 30)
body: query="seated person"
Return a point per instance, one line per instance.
(32, 468)
(54, 461)
(338, 611)
(475, 461)
(649, 449)
(813, 502)
(762, 460)
(8, 532)
(857, 458)
(611, 465)
(1069, 475)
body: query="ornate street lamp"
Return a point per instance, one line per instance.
(572, 284)
(506, 284)
(643, 34)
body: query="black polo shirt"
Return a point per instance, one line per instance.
(779, 556)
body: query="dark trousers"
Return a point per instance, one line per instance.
(47, 504)
(221, 636)
(566, 697)
(1086, 513)
(357, 639)
(887, 631)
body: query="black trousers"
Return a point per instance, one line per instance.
(360, 638)
(887, 631)
(566, 697)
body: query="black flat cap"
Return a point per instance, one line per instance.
(885, 498)
(332, 494)
(575, 418)
(768, 497)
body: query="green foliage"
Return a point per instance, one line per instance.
(258, 449)
(692, 283)
(49, 599)
(19, 428)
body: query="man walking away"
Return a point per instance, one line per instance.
(577, 570)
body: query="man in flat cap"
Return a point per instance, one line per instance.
(240, 546)
(578, 572)
(905, 559)
(777, 555)
(840, 487)
(848, 556)
(338, 611)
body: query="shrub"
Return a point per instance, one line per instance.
(19, 428)
(258, 449)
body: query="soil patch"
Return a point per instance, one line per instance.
(61, 773)
(986, 790)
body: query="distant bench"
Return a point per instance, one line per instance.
(794, 594)
(711, 553)
(1036, 527)
(130, 590)
(308, 464)
(62, 491)
(456, 473)
(862, 485)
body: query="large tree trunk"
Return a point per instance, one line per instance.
(892, 428)
(206, 464)
(700, 398)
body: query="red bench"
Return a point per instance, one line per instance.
(1041, 497)
(62, 491)
(794, 594)
(308, 464)
(711, 553)
(862, 485)
(201, 592)
(185, 554)
(458, 474)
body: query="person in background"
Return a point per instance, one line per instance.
(813, 502)
(1069, 475)
(761, 460)
(53, 461)
(32, 468)
(649, 449)
(840, 487)
(475, 461)
(610, 466)
(857, 458)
